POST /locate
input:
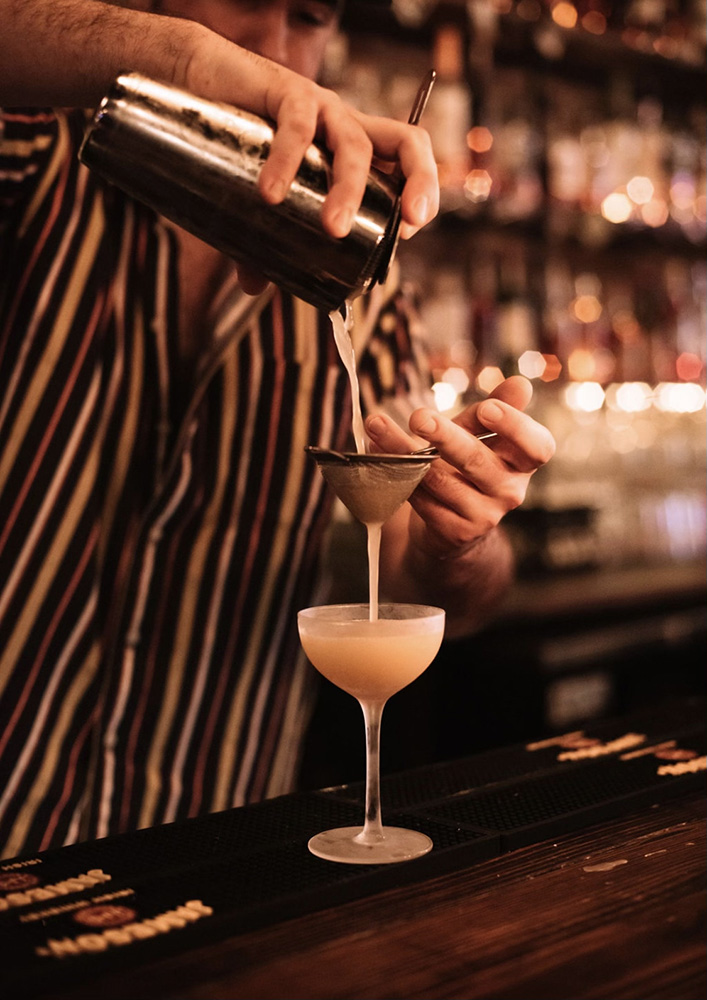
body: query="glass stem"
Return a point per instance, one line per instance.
(372, 831)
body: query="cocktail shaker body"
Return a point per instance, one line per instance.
(197, 162)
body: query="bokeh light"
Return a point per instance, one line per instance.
(655, 213)
(688, 366)
(640, 189)
(629, 397)
(532, 364)
(584, 396)
(616, 207)
(553, 368)
(594, 22)
(564, 14)
(488, 378)
(587, 308)
(679, 397)
(457, 378)
(445, 396)
(477, 185)
(479, 139)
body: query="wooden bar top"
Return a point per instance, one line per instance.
(617, 911)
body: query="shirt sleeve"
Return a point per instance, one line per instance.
(27, 138)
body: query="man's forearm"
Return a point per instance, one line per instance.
(66, 52)
(470, 587)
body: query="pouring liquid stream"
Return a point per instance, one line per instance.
(342, 326)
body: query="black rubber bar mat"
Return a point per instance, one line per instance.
(68, 914)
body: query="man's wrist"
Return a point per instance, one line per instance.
(469, 585)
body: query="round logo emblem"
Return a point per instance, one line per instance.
(105, 915)
(16, 881)
(676, 754)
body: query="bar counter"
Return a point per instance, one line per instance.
(615, 912)
(594, 889)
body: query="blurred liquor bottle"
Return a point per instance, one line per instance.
(448, 118)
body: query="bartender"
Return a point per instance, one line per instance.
(160, 525)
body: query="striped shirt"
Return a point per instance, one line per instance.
(155, 543)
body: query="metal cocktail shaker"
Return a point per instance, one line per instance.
(197, 163)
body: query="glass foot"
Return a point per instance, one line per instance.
(345, 844)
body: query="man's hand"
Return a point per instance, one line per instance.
(473, 484)
(303, 111)
(84, 44)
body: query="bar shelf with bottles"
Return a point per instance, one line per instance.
(570, 247)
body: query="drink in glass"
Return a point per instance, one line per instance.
(371, 659)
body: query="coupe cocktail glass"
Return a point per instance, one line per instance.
(371, 660)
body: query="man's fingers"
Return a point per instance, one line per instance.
(516, 390)
(296, 127)
(353, 151)
(305, 111)
(388, 437)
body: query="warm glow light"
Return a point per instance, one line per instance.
(616, 207)
(488, 378)
(586, 308)
(655, 213)
(479, 139)
(581, 365)
(457, 378)
(640, 190)
(584, 396)
(688, 366)
(594, 21)
(445, 395)
(564, 14)
(629, 397)
(679, 397)
(478, 185)
(553, 368)
(532, 364)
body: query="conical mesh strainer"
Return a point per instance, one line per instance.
(372, 486)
